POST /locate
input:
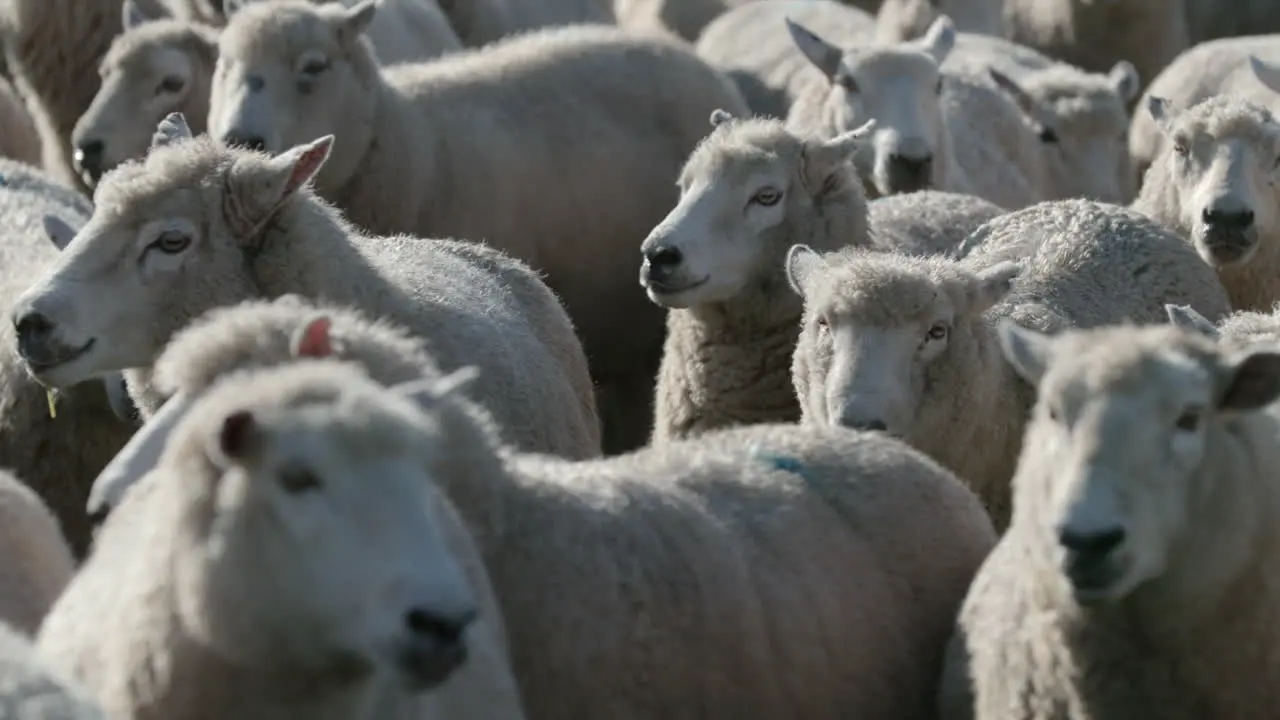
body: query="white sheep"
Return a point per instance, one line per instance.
(908, 345)
(899, 20)
(257, 230)
(929, 222)
(948, 133)
(717, 268)
(29, 691)
(57, 456)
(402, 30)
(685, 18)
(750, 44)
(1137, 577)
(483, 22)
(35, 560)
(1214, 183)
(1248, 327)
(542, 93)
(289, 557)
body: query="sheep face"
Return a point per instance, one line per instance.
(1219, 166)
(152, 69)
(311, 529)
(1113, 468)
(170, 239)
(899, 87)
(744, 194)
(286, 73)
(880, 333)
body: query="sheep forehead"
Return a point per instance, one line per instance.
(901, 292)
(1155, 367)
(164, 172)
(275, 29)
(1223, 116)
(745, 147)
(1082, 101)
(892, 64)
(134, 48)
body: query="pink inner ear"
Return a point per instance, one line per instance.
(308, 164)
(236, 429)
(315, 340)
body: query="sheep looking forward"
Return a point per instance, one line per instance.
(197, 225)
(908, 344)
(290, 557)
(717, 267)
(1138, 578)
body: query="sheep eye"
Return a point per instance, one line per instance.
(938, 332)
(171, 242)
(315, 67)
(1048, 135)
(767, 197)
(1188, 421)
(298, 480)
(822, 324)
(1054, 415)
(171, 85)
(1180, 148)
(848, 83)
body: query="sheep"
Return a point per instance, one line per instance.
(255, 229)
(1134, 580)
(1213, 184)
(1080, 117)
(483, 22)
(57, 456)
(747, 43)
(907, 345)
(929, 222)
(290, 557)
(35, 560)
(731, 322)
(52, 48)
(542, 92)
(28, 691)
(1218, 67)
(1243, 326)
(1095, 36)
(900, 20)
(402, 31)
(684, 18)
(19, 140)
(946, 133)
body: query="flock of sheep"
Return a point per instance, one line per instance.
(949, 388)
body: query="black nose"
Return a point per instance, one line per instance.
(248, 142)
(32, 327)
(1092, 544)
(662, 259)
(1227, 219)
(444, 628)
(907, 173)
(88, 156)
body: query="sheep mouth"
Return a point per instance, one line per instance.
(666, 287)
(1228, 247)
(427, 666)
(1095, 579)
(44, 358)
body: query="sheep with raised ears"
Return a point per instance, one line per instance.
(908, 345)
(199, 225)
(1214, 182)
(35, 560)
(717, 268)
(947, 133)
(1138, 576)
(29, 691)
(291, 556)
(414, 125)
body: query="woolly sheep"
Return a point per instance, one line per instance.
(1135, 578)
(929, 222)
(717, 268)
(255, 229)
(1095, 36)
(58, 457)
(542, 92)
(908, 345)
(29, 691)
(750, 45)
(35, 560)
(899, 20)
(482, 22)
(386, 613)
(51, 48)
(1080, 117)
(945, 133)
(685, 18)
(1243, 326)
(19, 139)
(1214, 184)
(1219, 67)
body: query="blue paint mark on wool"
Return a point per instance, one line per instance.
(781, 462)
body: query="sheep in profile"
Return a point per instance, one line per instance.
(929, 222)
(482, 22)
(35, 560)
(931, 132)
(908, 345)
(717, 268)
(28, 691)
(414, 125)
(290, 557)
(205, 225)
(1137, 577)
(1213, 183)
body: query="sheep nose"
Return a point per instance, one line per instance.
(441, 627)
(910, 172)
(32, 327)
(88, 156)
(246, 141)
(1227, 219)
(662, 260)
(1096, 544)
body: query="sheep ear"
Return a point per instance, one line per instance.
(173, 128)
(719, 117)
(824, 56)
(939, 39)
(803, 265)
(1163, 112)
(1027, 105)
(313, 339)
(992, 285)
(118, 398)
(1267, 74)
(292, 169)
(132, 15)
(1125, 80)
(1185, 317)
(1028, 351)
(429, 391)
(59, 232)
(1253, 380)
(355, 20)
(137, 457)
